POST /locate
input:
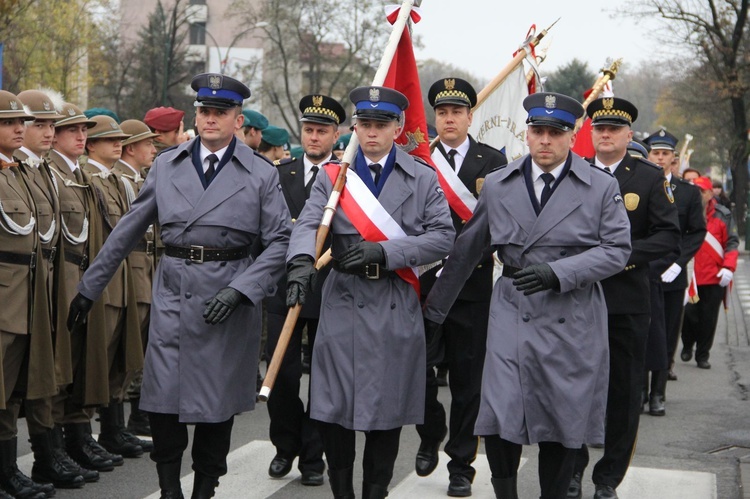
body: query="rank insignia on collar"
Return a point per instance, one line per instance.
(550, 102)
(374, 95)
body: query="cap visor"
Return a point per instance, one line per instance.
(455, 102)
(609, 122)
(318, 119)
(375, 115)
(561, 125)
(216, 104)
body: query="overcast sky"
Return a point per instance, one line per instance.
(481, 35)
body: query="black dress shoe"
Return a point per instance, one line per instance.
(575, 489)
(704, 364)
(280, 467)
(460, 486)
(605, 492)
(427, 457)
(656, 405)
(687, 354)
(311, 478)
(671, 376)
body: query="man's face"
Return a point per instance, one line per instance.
(11, 135)
(376, 137)
(611, 141)
(106, 150)
(452, 123)
(140, 154)
(549, 146)
(217, 126)
(318, 140)
(252, 137)
(70, 140)
(690, 176)
(663, 158)
(169, 139)
(39, 135)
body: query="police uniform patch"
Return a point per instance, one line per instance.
(617, 198)
(631, 201)
(668, 191)
(480, 184)
(439, 190)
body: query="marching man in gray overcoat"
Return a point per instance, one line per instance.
(212, 197)
(559, 226)
(368, 365)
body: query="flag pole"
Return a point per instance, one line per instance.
(330, 207)
(608, 74)
(503, 74)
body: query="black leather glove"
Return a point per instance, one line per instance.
(79, 309)
(535, 278)
(300, 280)
(222, 305)
(433, 333)
(361, 254)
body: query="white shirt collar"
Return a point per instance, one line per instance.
(72, 165)
(135, 172)
(100, 166)
(611, 167)
(31, 155)
(668, 176)
(6, 158)
(462, 149)
(309, 164)
(536, 171)
(204, 153)
(381, 162)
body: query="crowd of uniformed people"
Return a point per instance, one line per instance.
(140, 264)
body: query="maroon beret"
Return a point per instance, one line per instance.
(164, 119)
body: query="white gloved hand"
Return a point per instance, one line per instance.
(725, 276)
(671, 273)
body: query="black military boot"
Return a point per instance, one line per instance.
(58, 446)
(146, 445)
(169, 480)
(138, 423)
(112, 436)
(342, 483)
(83, 449)
(48, 467)
(656, 406)
(204, 486)
(505, 488)
(373, 491)
(12, 480)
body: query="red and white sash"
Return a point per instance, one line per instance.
(369, 217)
(715, 245)
(460, 199)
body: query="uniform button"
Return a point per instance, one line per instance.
(361, 305)
(526, 318)
(561, 320)
(188, 262)
(188, 295)
(563, 252)
(294, 220)
(479, 266)
(223, 264)
(413, 261)
(393, 305)
(188, 229)
(270, 289)
(463, 222)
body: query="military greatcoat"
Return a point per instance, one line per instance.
(203, 373)
(369, 361)
(546, 369)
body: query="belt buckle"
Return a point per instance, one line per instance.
(372, 271)
(149, 248)
(52, 253)
(192, 256)
(84, 262)
(32, 263)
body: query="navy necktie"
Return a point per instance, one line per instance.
(377, 169)
(212, 160)
(548, 179)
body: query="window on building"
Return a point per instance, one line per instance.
(198, 34)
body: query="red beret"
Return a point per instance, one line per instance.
(164, 119)
(704, 183)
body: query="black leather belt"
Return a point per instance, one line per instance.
(26, 259)
(508, 271)
(372, 271)
(200, 254)
(145, 247)
(81, 261)
(49, 253)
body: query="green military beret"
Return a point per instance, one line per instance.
(275, 136)
(101, 111)
(254, 119)
(342, 143)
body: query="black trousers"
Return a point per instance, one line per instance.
(465, 341)
(627, 350)
(674, 305)
(292, 431)
(555, 464)
(699, 324)
(210, 443)
(381, 449)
